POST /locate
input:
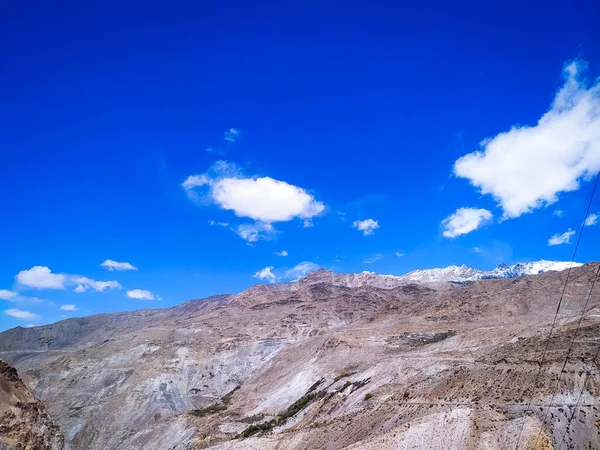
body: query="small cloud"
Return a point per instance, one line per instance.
(20, 314)
(231, 135)
(111, 265)
(399, 255)
(367, 226)
(375, 258)
(336, 258)
(564, 238)
(281, 253)
(308, 223)
(266, 274)
(592, 219)
(140, 294)
(464, 220)
(218, 224)
(6, 294)
(85, 283)
(253, 232)
(29, 325)
(558, 213)
(300, 270)
(215, 151)
(41, 277)
(68, 308)
(477, 250)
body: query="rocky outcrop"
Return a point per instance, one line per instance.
(24, 422)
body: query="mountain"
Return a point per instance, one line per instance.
(24, 422)
(331, 361)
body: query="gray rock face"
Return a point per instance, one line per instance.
(290, 366)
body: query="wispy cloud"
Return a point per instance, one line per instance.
(111, 265)
(231, 135)
(254, 232)
(218, 224)
(281, 253)
(592, 219)
(300, 270)
(20, 314)
(85, 283)
(373, 259)
(558, 213)
(367, 226)
(266, 274)
(399, 255)
(464, 220)
(562, 149)
(7, 295)
(68, 307)
(141, 294)
(561, 238)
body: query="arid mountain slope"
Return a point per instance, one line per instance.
(319, 365)
(24, 422)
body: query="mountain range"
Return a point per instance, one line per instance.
(450, 358)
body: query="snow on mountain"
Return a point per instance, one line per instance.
(457, 274)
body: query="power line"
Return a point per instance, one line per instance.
(568, 352)
(587, 376)
(559, 305)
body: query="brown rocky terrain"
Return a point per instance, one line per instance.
(329, 364)
(24, 422)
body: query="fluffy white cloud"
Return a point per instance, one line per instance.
(85, 283)
(253, 232)
(300, 270)
(41, 277)
(561, 238)
(115, 265)
(6, 294)
(592, 219)
(464, 220)
(263, 199)
(266, 274)
(375, 258)
(68, 308)
(140, 294)
(20, 314)
(367, 226)
(281, 253)
(231, 135)
(526, 167)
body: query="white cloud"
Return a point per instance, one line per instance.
(85, 283)
(115, 265)
(464, 220)
(375, 258)
(266, 274)
(281, 253)
(29, 325)
(140, 294)
(477, 250)
(68, 308)
(367, 226)
(41, 277)
(526, 167)
(263, 199)
(399, 255)
(20, 314)
(558, 213)
(592, 219)
(300, 270)
(308, 223)
(231, 135)
(218, 224)
(6, 294)
(561, 238)
(253, 232)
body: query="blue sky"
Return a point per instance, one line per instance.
(194, 142)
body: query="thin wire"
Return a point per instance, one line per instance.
(567, 355)
(587, 376)
(558, 306)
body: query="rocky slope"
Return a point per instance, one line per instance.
(24, 422)
(323, 363)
